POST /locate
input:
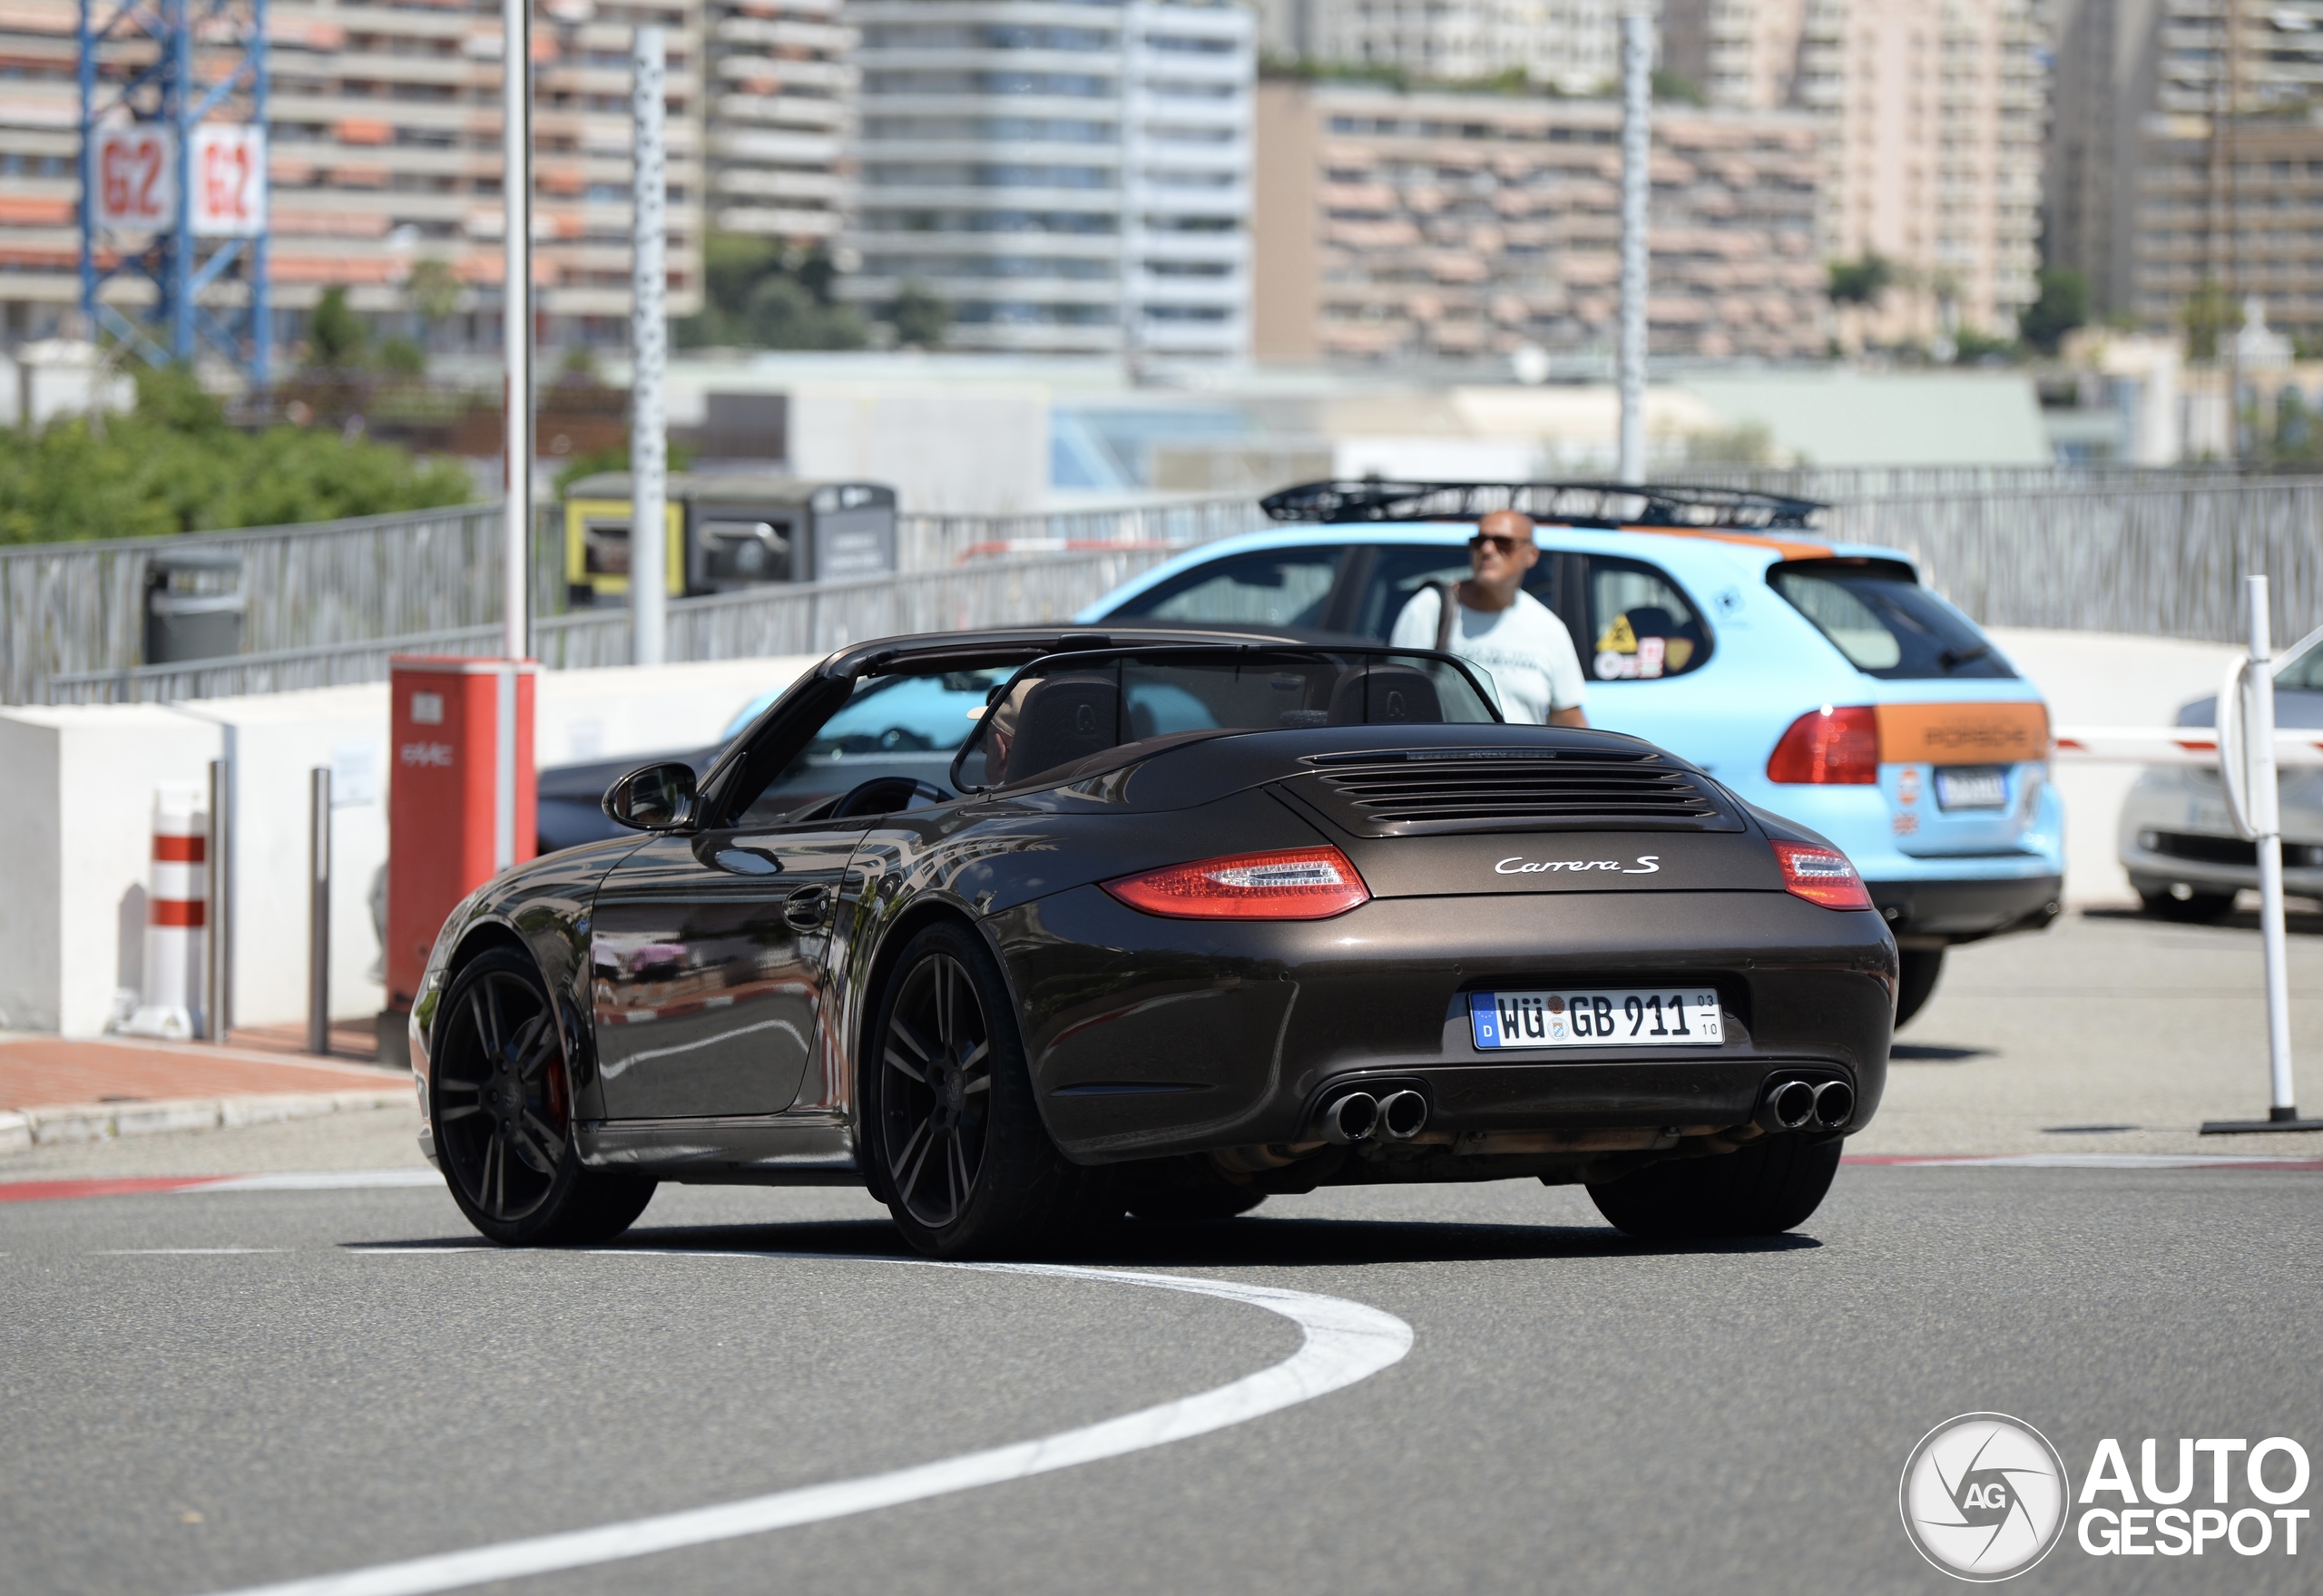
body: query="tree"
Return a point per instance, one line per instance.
(2208, 314)
(919, 318)
(2062, 306)
(1860, 282)
(335, 334)
(175, 464)
(763, 295)
(433, 292)
(1675, 88)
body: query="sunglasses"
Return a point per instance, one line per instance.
(1499, 539)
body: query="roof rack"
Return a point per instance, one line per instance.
(1566, 504)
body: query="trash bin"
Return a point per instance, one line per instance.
(729, 531)
(193, 605)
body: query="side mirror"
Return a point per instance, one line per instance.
(654, 798)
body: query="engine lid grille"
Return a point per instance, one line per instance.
(1406, 792)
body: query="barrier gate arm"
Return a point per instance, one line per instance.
(2171, 745)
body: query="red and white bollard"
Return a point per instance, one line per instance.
(176, 915)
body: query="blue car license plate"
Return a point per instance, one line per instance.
(1631, 1017)
(1972, 787)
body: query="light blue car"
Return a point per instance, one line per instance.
(1819, 680)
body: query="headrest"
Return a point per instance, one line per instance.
(1380, 695)
(1064, 718)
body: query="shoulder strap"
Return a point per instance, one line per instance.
(1447, 614)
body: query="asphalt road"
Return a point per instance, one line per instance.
(1577, 1411)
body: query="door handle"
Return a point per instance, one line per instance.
(805, 909)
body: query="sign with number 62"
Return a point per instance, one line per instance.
(229, 177)
(137, 179)
(136, 176)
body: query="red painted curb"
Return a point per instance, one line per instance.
(50, 1191)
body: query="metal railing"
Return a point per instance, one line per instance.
(2149, 561)
(808, 619)
(69, 609)
(932, 543)
(1855, 484)
(2144, 551)
(74, 612)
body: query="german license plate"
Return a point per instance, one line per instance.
(1977, 786)
(1639, 1017)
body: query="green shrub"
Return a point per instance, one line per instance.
(174, 464)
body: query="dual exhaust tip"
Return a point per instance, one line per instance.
(1358, 1116)
(1806, 1105)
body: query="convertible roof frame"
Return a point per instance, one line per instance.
(1608, 505)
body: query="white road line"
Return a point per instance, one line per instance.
(2097, 1161)
(320, 1181)
(1345, 1342)
(181, 1251)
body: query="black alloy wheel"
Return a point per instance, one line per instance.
(1762, 1188)
(2196, 908)
(955, 1142)
(1917, 970)
(937, 1102)
(502, 1110)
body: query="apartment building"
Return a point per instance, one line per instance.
(1571, 45)
(781, 91)
(1072, 177)
(1930, 121)
(384, 153)
(2187, 154)
(1459, 228)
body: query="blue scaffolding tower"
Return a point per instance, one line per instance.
(156, 76)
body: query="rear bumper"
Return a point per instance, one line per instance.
(1148, 1036)
(1943, 912)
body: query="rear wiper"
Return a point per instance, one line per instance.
(1952, 657)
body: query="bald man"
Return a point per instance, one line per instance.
(1501, 628)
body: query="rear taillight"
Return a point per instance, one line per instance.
(1821, 875)
(1828, 746)
(1294, 884)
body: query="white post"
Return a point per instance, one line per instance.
(2266, 820)
(516, 317)
(1637, 184)
(318, 911)
(649, 343)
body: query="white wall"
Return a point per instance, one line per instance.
(77, 808)
(274, 742)
(53, 378)
(950, 449)
(77, 814)
(583, 715)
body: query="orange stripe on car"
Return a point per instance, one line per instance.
(1963, 734)
(1788, 549)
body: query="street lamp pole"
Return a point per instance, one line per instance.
(649, 344)
(517, 315)
(1637, 154)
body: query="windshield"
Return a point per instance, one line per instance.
(906, 726)
(1887, 624)
(1064, 710)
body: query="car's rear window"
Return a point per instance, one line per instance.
(1065, 709)
(1887, 623)
(1274, 587)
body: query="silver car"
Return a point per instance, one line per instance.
(2178, 843)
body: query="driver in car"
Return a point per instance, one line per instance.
(1499, 626)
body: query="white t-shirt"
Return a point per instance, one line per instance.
(1524, 648)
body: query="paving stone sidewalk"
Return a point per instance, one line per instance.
(54, 1090)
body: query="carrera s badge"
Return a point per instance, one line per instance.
(1518, 865)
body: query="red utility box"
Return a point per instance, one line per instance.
(460, 804)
